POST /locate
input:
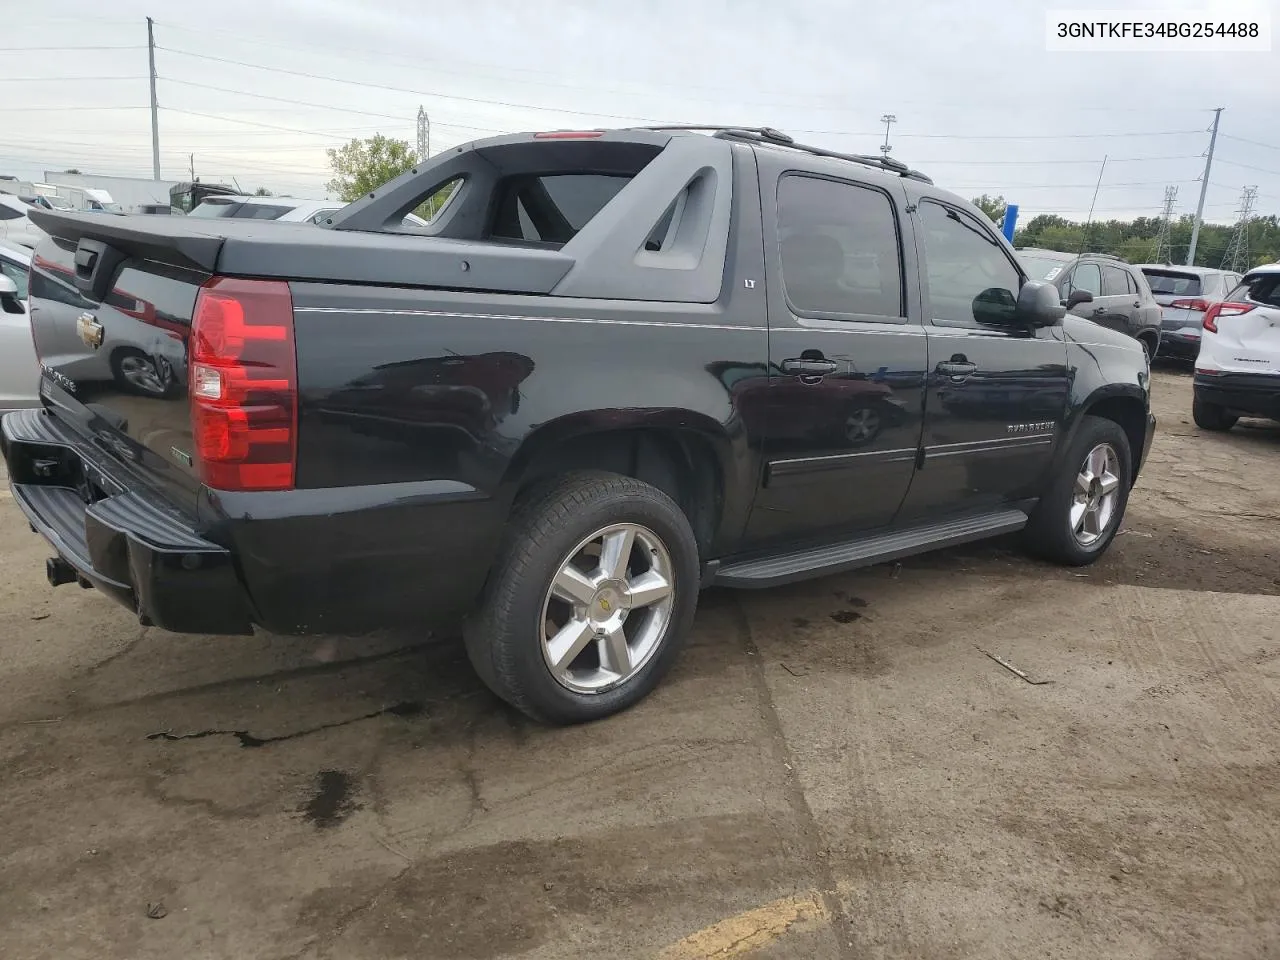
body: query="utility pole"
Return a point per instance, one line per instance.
(155, 119)
(1236, 259)
(1204, 186)
(888, 120)
(424, 135)
(1164, 240)
(193, 168)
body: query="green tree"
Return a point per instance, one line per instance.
(364, 165)
(72, 170)
(262, 192)
(993, 207)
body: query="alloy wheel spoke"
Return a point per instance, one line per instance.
(1078, 512)
(1109, 483)
(573, 586)
(615, 655)
(648, 588)
(615, 553)
(1082, 486)
(1091, 525)
(568, 642)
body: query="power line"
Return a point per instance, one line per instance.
(126, 46)
(63, 79)
(318, 106)
(1256, 143)
(1248, 166)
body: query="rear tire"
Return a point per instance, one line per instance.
(546, 636)
(1210, 416)
(1079, 515)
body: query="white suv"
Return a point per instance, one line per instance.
(1238, 367)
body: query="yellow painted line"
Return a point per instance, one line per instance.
(737, 935)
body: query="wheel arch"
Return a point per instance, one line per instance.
(689, 456)
(1123, 404)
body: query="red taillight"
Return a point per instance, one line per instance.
(244, 384)
(1198, 305)
(1217, 310)
(568, 135)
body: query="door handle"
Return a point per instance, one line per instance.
(806, 367)
(1100, 311)
(956, 368)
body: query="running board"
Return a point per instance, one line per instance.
(838, 557)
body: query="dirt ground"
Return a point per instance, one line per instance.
(833, 770)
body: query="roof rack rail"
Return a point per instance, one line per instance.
(776, 138)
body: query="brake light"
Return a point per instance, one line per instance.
(1197, 304)
(244, 384)
(568, 135)
(1217, 310)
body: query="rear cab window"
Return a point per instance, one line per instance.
(551, 209)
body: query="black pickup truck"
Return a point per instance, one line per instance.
(615, 368)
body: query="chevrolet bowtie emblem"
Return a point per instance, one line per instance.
(89, 330)
(604, 605)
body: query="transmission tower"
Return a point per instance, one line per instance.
(1164, 245)
(888, 120)
(1236, 258)
(424, 135)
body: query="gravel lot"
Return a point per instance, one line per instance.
(832, 770)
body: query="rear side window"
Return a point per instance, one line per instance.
(839, 248)
(1114, 283)
(1171, 283)
(551, 209)
(1262, 289)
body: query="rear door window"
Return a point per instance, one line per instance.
(839, 248)
(1114, 282)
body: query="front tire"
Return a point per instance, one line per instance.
(590, 601)
(1210, 416)
(1078, 517)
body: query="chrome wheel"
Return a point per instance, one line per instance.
(142, 373)
(1096, 495)
(608, 608)
(862, 426)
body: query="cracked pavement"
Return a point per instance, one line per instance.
(832, 770)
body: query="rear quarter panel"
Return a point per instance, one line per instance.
(406, 386)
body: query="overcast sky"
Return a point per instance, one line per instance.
(980, 105)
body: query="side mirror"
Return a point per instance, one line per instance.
(1039, 305)
(1078, 297)
(9, 296)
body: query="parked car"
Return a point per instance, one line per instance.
(1101, 288)
(282, 209)
(1238, 364)
(623, 365)
(1184, 294)
(19, 371)
(15, 224)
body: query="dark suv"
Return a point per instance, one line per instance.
(1118, 295)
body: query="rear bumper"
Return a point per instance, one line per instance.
(333, 560)
(131, 547)
(1248, 394)
(1180, 342)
